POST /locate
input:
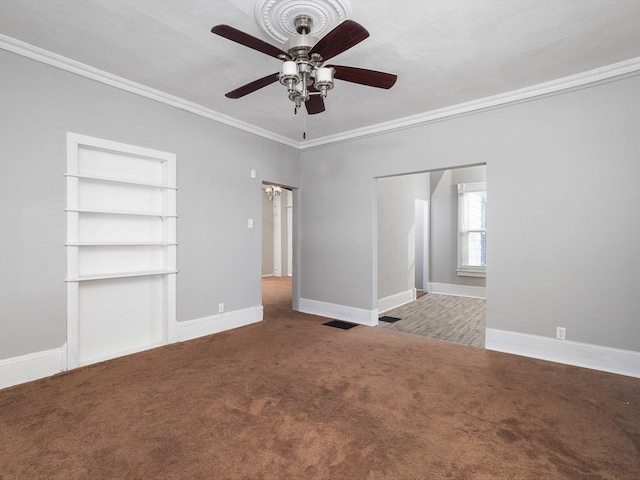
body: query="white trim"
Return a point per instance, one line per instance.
(121, 353)
(596, 357)
(35, 53)
(459, 290)
(201, 327)
(627, 67)
(32, 366)
(339, 312)
(267, 275)
(583, 79)
(480, 272)
(76, 140)
(472, 187)
(396, 300)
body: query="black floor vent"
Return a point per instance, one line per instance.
(389, 319)
(340, 324)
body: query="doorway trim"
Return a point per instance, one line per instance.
(295, 241)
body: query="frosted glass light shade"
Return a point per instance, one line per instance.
(289, 68)
(324, 78)
(289, 74)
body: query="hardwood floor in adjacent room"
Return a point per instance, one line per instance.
(443, 317)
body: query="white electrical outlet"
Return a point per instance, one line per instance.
(220, 307)
(561, 333)
(252, 173)
(250, 223)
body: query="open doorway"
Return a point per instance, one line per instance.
(277, 247)
(432, 238)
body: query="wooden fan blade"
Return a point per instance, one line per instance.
(315, 104)
(253, 86)
(341, 38)
(247, 40)
(372, 78)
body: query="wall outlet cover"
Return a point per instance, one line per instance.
(561, 333)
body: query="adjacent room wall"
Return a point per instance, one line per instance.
(277, 235)
(562, 179)
(444, 226)
(267, 235)
(396, 232)
(286, 250)
(218, 256)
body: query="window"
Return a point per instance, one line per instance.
(472, 229)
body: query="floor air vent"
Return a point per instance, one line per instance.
(340, 324)
(389, 319)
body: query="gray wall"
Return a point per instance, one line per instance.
(217, 253)
(267, 235)
(444, 226)
(562, 179)
(396, 231)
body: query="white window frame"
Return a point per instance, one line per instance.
(468, 270)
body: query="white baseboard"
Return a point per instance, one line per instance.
(396, 300)
(459, 290)
(218, 323)
(267, 275)
(339, 312)
(596, 357)
(32, 366)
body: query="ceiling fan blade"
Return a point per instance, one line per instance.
(247, 40)
(315, 104)
(372, 78)
(253, 86)
(341, 38)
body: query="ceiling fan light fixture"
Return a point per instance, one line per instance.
(303, 72)
(324, 79)
(289, 74)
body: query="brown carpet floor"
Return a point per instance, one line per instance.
(290, 398)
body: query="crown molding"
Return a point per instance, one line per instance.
(44, 56)
(580, 80)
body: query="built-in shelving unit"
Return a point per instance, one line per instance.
(119, 180)
(121, 244)
(113, 212)
(121, 248)
(106, 276)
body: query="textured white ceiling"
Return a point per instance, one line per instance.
(444, 52)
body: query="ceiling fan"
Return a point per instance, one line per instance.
(303, 71)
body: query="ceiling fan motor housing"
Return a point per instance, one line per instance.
(298, 47)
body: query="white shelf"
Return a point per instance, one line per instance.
(116, 180)
(106, 276)
(113, 212)
(121, 244)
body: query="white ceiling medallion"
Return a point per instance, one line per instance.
(276, 17)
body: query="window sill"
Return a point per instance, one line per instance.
(466, 273)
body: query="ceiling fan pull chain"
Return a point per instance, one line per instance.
(304, 126)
